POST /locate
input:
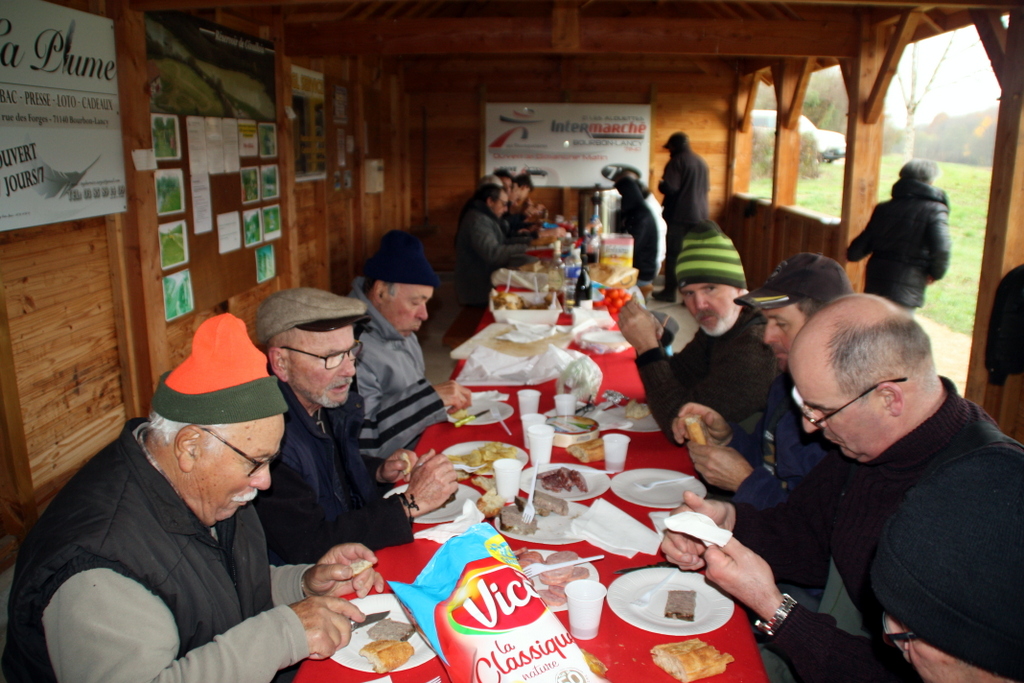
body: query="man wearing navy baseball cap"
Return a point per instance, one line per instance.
(399, 401)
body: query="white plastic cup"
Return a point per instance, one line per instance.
(541, 438)
(565, 405)
(507, 472)
(615, 447)
(529, 401)
(528, 420)
(586, 600)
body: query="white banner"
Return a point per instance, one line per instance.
(567, 145)
(61, 155)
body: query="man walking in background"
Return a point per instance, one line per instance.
(685, 186)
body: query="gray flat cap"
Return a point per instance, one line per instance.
(307, 309)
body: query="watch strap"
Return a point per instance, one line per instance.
(772, 626)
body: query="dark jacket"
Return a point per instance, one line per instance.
(635, 218)
(778, 449)
(120, 513)
(685, 185)
(323, 492)
(481, 247)
(908, 238)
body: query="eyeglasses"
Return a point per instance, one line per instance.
(808, 412)
(900, 639)
(334, 360)
(256, 464)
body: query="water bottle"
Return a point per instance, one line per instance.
(572, 273)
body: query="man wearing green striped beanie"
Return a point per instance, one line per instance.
(726, 366)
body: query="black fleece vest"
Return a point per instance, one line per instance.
(120, 513)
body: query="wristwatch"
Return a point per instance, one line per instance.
(771, 627)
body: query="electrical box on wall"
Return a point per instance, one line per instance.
(373, 171)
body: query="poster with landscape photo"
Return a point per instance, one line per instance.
(170, 192)
(173, 244)
(250, 184)
(178, 298)
(266, 267)
(268, 182)
(166, 137)
(252, 227)
(271, 222)
(268, 140)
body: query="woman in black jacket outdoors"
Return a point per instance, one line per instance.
(907, 237)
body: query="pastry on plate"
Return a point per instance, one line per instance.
(690, 660)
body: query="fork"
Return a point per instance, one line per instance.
(536, 568)
(528, 510)
(497, 417)
(645, 599)
(651, 485)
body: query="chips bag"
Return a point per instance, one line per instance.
(483, 617)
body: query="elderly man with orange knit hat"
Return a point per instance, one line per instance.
(151, 564)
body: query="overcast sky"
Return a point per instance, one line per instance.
(964, 84)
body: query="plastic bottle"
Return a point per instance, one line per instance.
(572, 273)
(584, 289)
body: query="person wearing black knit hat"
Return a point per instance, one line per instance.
(948, 570)
(398, 400)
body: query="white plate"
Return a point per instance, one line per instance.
(712, 611)
(551, 530)
(447, 513)
(539, 584)
(349, 655)
(644, 424)
(470, 446)
(597, 482)
(504, 412)
(611, 341)
(665, 496)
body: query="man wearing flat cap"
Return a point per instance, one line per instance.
(765, 465)
(325, 492)
(398, 400)
(150, 564)
(685, 186)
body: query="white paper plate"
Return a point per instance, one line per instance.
(447, 513)
(665, 496)
(644, 424)
(349, 655)
(539, 584)
(712, 611)
(470, 446)
(597, 482)
(504, 412)
(610, 340)
(551, 530)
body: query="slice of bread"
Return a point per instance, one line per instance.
(588, 451)
(690, 660)
(483, 483)
(387, 655)
(490, 504)
(360, 566)
(636, 411)
(696, 429)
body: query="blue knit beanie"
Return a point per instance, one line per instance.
(401, 259)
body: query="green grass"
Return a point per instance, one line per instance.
(951, 301)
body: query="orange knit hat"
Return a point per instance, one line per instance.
(224, 380)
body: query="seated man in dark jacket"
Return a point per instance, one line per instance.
(324, 492)
(907, 237)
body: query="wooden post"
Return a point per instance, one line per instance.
(741, 133)
(1004, 238)
(290, 273)
(791, 78)
(863, 144)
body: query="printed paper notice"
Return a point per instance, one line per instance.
(214, 145)
(195, 129)
(229, 231)
(231, 164)
(202, 208)
(248, 142)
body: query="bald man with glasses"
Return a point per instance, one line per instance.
(864, 376)
(324, 492)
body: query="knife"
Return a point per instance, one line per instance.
(646, 566)
(469, 418)
(370, 619)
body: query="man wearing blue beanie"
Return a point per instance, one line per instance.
(399, 401)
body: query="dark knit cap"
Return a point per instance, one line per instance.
(800, 277)
(401, 259)
(677, 142)
(223, 381)
(950, 562)
(708, 256)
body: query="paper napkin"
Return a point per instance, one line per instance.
(611, 529)
(469, 516)
(699, 526)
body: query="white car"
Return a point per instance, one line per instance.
(831, 145)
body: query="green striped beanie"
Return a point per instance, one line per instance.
(708, 256)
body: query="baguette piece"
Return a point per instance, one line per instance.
(490, 504)
(696, 429)
(690, 660)
(637, 411)
(360, 566)
(588, 451)
(484, 483)
(387, 655)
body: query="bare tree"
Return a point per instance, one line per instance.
(912, 96)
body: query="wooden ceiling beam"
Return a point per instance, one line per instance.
(640, 35)
(897, 43)
(186, 5)
(565, 26)
(792, 76)
(993, 36)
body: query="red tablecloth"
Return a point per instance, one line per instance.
(624, 648)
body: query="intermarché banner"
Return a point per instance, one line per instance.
(567, 145)
(60, 123)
